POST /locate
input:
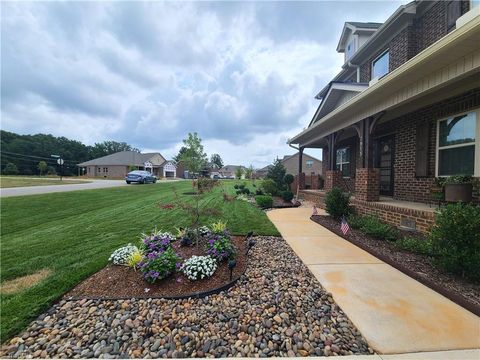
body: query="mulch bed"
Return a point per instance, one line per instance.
(122, 282)
(279, 203)
(419, 267)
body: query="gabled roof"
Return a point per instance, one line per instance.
(355, 27)
(231, 168)
(333, 93)
(126, 158)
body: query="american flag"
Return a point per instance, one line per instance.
(344, 226)
(314, 212)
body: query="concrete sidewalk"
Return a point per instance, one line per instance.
(395, 313)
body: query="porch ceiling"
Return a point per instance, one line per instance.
(450, 64)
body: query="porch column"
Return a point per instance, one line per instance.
(367, 179)
(301, 175)
(333, 177)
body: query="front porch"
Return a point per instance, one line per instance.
(407, 215)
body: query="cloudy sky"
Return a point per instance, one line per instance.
(242, 75)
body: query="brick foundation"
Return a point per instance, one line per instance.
(367, 184)
(395, 215)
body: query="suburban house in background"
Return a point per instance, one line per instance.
(310, 165)
(403, 110)
(228, 171)
(120, 164)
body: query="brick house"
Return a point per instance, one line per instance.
(310, 165)
(119, 164)
(403, 110)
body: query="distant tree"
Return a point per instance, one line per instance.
(216, 159)
(249, 172)
(110, 147)
(193, 158)
(239, 173)
(277, 173)
(42, 167)
(177, 157)
(10, 169)
(51, 170)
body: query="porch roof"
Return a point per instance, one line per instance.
(454, 57)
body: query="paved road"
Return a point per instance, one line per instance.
(395, 313)
(33, 190)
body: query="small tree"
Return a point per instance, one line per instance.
(10, 169)
(238, 173)
(249, 172)
(193, 158)
(217, 160)
(42, 167)
(277, 173)
(288, 179)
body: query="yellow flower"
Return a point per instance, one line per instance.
(135, 258)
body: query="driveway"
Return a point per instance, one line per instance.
(33, 190)
(395, 313)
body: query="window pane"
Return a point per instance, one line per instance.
(380, 66)
(456, 161)
(458, 130)
(346, 170)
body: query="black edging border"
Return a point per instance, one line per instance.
(459, 300)
(196, 295)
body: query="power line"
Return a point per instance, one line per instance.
(36, 157)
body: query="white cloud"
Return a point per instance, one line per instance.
(242, 75)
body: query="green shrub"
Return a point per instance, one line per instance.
(259, 192)
(288, 179)
(264, 201)
(242, 186)
(10, 169)
(236, 186)
(337, 203)
(270, 187)
(455, 239)
(417, 246)
(287, 195)
(158, 265)
(374, 227)
(356, 221)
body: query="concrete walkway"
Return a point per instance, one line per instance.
(395, 313)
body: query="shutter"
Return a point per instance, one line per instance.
(421, 156)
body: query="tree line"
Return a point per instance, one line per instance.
(32, 154)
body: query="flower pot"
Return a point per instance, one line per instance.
(458, 192)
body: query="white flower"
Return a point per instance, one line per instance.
(199, 267)
(121, 255)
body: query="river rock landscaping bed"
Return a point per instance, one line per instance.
(277, 308)
(419, 267)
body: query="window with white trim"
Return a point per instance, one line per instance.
(381, 65)
(309, 163)
(457, 151)
(343, 161)
(350, 49)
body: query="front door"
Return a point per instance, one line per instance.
(385, 148)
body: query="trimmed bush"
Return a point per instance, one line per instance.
(456, 239)
(289, 179)
(287, 195)
(270, 187)
(337, 203)
(417, 246)
(264, 201)
(374, 227)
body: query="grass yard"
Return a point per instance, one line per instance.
(70, 236)
(16, 181)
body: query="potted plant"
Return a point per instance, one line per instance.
(458, 188)
(436, 191)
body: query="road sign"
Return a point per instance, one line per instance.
(60, 161)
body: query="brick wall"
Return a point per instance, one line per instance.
(406, 185)
(416, 37)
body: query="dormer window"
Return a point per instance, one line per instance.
(350, 49)
(380, 66)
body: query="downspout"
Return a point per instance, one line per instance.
(298, 182)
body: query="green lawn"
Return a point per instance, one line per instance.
(16, 181)
(73, 234)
